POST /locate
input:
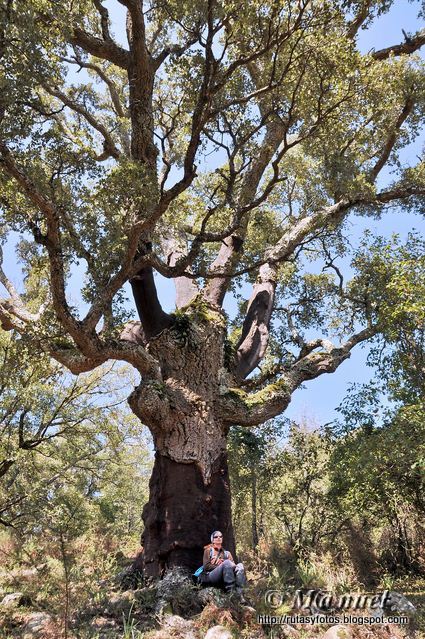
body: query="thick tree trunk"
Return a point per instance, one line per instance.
(182, 512)
(189, 487)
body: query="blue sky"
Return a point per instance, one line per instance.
(320, 397)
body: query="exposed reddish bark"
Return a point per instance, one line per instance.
(189, 487)
(183, 511)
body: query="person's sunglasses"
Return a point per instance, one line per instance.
(218, 537)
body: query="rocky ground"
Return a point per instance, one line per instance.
(173, 608)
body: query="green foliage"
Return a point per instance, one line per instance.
(366, 479)
(50, 423)
(253, 469)
(304, 505)
(364, 468)
(70, 457)
(182, 329)
(340, 104)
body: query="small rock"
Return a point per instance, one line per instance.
(27, 573)
(98, 623)
(395, 603)
(174, 621)
(218, 632)
(177, 626)
(35, 625)
(288, 631)
(119, 603)
(213, 595)
(173, 582)
(15, 599)
(338, 632)
(176, 594)
(248, 614)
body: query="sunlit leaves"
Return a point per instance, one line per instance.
(60, 436)
(366, 477)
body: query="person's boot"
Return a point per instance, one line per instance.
(229, 583)
(241, 597)
(240, 582)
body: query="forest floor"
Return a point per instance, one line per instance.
(176, 609)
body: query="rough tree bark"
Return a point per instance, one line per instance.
(189, 487)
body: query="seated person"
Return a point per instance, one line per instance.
(219, 568)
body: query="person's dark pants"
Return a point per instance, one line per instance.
(226, 574)
(240, 577)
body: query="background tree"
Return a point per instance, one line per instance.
(107, 169)
(51, 425)
(378, 463)
(254, 465)
(71, 453)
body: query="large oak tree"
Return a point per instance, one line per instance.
(222, 146)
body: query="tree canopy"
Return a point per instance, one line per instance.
(109, 171)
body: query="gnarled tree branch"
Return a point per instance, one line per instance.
(410, 45)
(355, 24)
(244, 409)
(103, 49)
(109, 145)
(255, 331)
(232, 245)
(153, 318)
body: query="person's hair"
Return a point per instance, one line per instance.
(214, 533)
